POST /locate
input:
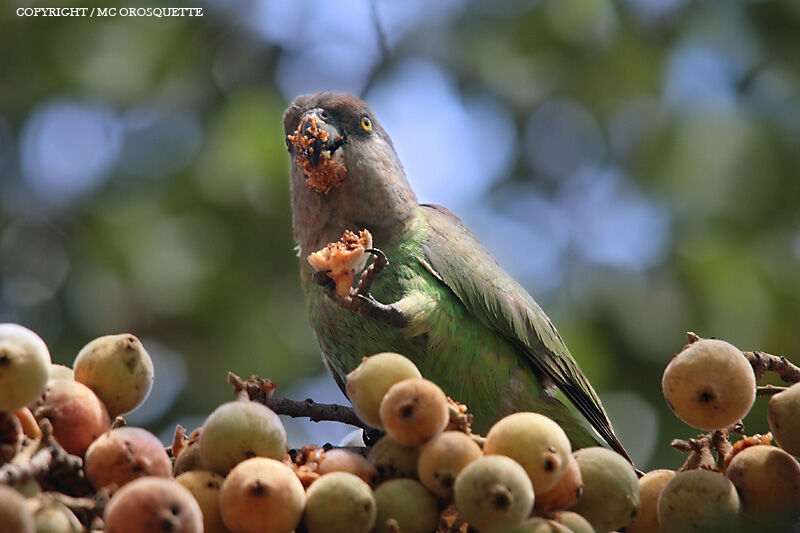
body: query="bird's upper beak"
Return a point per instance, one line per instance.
(317, 134)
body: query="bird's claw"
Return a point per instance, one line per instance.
(379, 263)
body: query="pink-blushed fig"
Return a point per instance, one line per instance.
(118, 369)
(650, 486)
(413, 411)
(710, 384)
(153, 505)
(566, 492)
(494, 492)
(123, 454)
(369, 382)
(77, 414)
(610, 498)
(262, 495)
(24, 366)
(534, 441)
(238, 430)
(338, 460)
(339, 502)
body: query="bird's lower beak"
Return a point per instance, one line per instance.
(319, 136)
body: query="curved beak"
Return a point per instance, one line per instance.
(323, 135)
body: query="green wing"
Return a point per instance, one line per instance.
(501, 303)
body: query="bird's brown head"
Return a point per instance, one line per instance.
(345, 173)
(323, 133)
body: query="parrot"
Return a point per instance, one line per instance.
(432, 292)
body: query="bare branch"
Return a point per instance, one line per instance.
(259, 390)
(764, 362)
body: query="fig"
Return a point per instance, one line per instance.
(339, 502)
(118, 369)
(124, 454)
(369, 382)
(698, 500)
(534, 441)
(409, 504)
(442, 458)
(610, 498)
(153, 505)
(238, 430)
(710, 384)
(262, 495)
(24, 366)
(494, 492)
(413, 411)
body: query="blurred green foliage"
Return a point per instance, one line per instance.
(201, 259)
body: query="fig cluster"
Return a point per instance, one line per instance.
(428, 474)
(747, 485)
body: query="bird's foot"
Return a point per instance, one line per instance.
(360, 299)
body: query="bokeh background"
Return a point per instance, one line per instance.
(635, 163)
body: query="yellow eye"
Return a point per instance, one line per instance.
(366, 123)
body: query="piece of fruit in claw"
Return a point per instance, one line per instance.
(343, 259)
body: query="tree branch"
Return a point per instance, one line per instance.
(260, 390)
(46, 457)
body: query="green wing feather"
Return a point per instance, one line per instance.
(492, 296)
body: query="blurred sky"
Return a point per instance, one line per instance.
(633, 163)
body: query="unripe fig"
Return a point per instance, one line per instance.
(710, 384)
(610, 498)
(393, 460)
(62, 372)
(784, 419)
(369, 382)
(262, 495)
(442, 458)
(650, 486)
(537, 524)
(698, 500)
(238, 430)
(338, 460)
(14, 512)
(124, 454)
(339, 502)
(534, 441)
(409, 503)
(54, 517)
(24, 366)
(153, 505)
(205, 486)
(494, 491)
(413, 411)
(77, 415)
(575, 522)
(118, 369)
(567, 491)
(768, 482)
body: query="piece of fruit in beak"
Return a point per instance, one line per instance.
(343, 259)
